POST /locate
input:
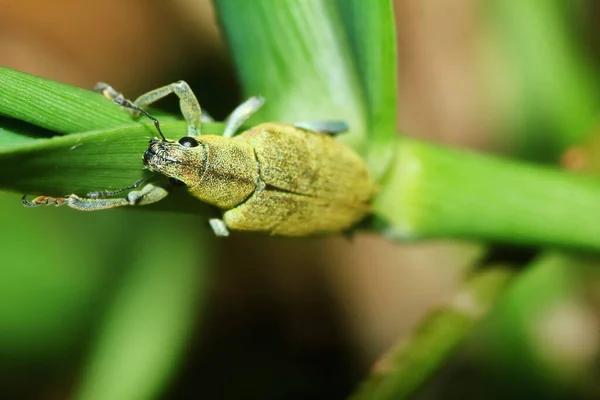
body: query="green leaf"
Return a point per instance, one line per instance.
(52, 108)
(149, 322)
(416, 357)
(296, 55)
(10, 137)
(549, 78)
(55, 106)
(320, 59)
(79, 163)
(371, 31)
(110, 157)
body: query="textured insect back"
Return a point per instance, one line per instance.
(313, 184)
(310, 163)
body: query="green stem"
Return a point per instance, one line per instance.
(404, 368)
(434, 192)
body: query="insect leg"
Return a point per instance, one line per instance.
(218, 226)
(241, 115)
(190, 108)
(188, 103)
(148, 194)
(44, 201)
(111, 193)
(76, 202)
(108, 91)
(328, 127)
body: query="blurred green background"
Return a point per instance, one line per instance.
(126, 304)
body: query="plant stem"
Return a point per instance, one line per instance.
(435, 192)
(406, 366)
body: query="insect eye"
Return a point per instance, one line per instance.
(188, 141)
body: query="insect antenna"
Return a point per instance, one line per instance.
(128, 104)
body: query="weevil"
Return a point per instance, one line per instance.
(277, 178)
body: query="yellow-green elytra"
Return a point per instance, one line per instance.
(275, 178)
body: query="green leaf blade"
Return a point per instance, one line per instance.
(148, 325)
(296, 55)
(371, 30)
(55, 106)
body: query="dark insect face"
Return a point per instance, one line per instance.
(180, 160)
(188, 141)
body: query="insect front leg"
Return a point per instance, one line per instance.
(149, 194)
(109, 92)
(188, 103)
(241, 115)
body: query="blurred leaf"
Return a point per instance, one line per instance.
(415, 357)
(541, 79)
(48, 295)
(519, 326)
(149, 323)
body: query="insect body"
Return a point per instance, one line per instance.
(275, 178)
